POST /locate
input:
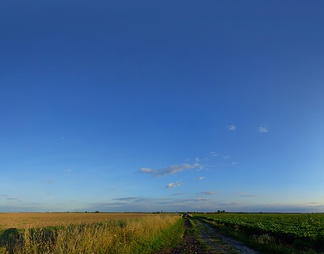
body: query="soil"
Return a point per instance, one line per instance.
(208, 242)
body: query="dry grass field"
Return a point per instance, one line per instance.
(65, 233)
(26, 220)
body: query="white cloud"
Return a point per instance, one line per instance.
(201, 178)
(169, 170)
(173, 185)
(146, 170)
(263, 129)
(231, 127)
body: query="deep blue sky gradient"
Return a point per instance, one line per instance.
(161, 105)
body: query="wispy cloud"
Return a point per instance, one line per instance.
(169, 170)
(213, 154)
(231, 127)
(133, 199)
(216, 160)
(156, 204)
(198, 204)
(203, 159)
(315, 203)
(176, 194)
(201, 178)
(9, 198)
(246, 195)
(173, 185)
(207, 193)
(263, 129)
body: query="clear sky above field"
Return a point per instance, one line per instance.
(161, 105)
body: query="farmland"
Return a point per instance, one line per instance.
(25, 220)
(35, 233)
(58, 233)
(273, 233)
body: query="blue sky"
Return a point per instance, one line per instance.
(161, 105)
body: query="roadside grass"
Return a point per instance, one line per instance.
(168, 238)
(134, 235)
(262, 242)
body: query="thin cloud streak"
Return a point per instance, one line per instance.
(246, 195)
(207, 193)
(9, 198)
(169, 170)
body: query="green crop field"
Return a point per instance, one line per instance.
(305, 232)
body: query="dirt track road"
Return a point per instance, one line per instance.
(219, 243)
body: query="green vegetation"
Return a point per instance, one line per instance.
(273, 233)
(127, 235)
(193, 232)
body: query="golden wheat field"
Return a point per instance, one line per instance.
(65, 233)
(25, 220)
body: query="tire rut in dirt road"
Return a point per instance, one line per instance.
(219, 243)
